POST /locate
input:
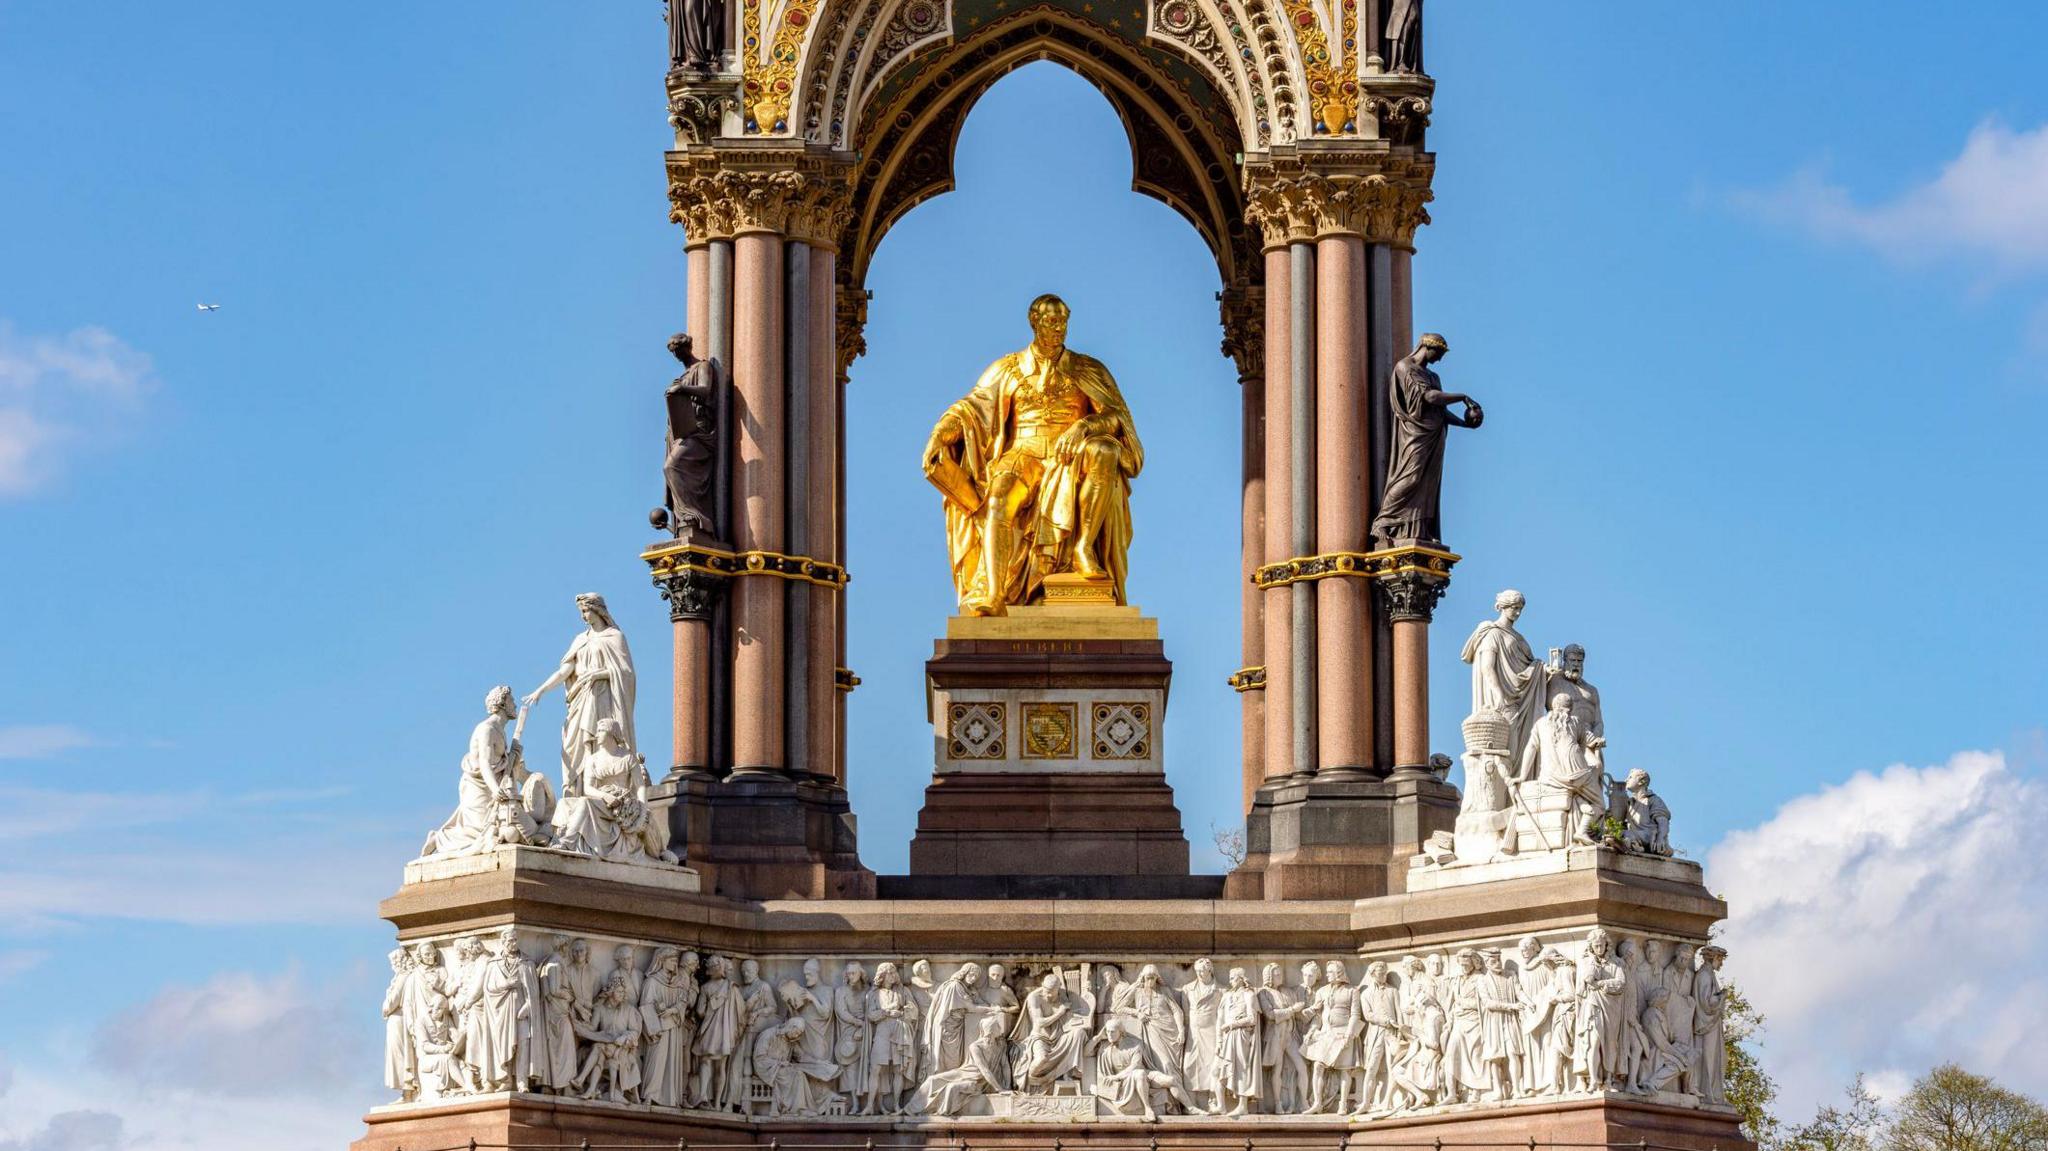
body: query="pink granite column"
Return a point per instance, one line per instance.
(1276, 644)
(1411, 692)
(1252, 641)
(690, 690)
(1344, 726)
(757, 601)
(823, 511)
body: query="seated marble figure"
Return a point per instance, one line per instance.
(604, 810)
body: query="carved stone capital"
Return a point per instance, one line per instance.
(801, 193)
(691, 593)
(1410, 595)
(1244, 329)
(1374, 193)
(852, 321)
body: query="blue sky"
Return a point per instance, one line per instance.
(1756, 300)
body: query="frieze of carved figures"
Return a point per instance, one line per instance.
(1535, 756)
(657, 1026)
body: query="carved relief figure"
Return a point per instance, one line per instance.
(1239, 1065)
(1411, 506)
(1035, 464)
(558, 1019)
(757, 1014)
(1204, 1003)
(718, 1032)
(945, 1030)
(664, 1015)
(1161, 1026)
(401, 1064)
(1331, 1047)
(1124, 1080)
(1500, 1035)
(892, 1042)
(1709, 1029)
(984, 1072)
(850, 1031)
(1464, 1050)
(692, 457)
(1597, 1051)
(796, 1085)
(1380, 1028)
(1052, 1034)
(613, 1065)
(1286, 1073)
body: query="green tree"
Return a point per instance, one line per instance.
(1856, 1127)
(1950, 1109)
(1750, 1088)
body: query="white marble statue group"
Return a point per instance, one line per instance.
(677, 1030)
(1535, 755)
(603, 811)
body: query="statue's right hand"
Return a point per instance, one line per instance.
(530, 700)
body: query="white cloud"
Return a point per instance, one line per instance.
(82, 1130)
(39, 1114)
(1989, 205)
(240, 1034)
(195, 857)
(1894, 921)
(36, 741)
(57, 392)
(14, 963)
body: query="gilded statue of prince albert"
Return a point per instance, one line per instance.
(1036, 465)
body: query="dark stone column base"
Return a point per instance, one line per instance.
(1338, 838)
(761, 835)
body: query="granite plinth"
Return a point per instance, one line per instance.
(762, 835)
(1339, 835)
(1048, 752)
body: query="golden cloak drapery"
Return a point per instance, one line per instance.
(1053, 518)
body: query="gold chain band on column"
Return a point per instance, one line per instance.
(666, 559)
(1357, 565)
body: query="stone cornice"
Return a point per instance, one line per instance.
(1295, 195)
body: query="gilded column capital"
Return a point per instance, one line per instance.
(820, 212)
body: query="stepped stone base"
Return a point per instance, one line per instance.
(1049, 824)
(766, 836)
(533, 1121)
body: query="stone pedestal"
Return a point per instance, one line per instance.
(767, 836)
(1333, 837)
(1048, 729)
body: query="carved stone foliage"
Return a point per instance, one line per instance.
(1378, 196)
(661, 1026)
(805, 197)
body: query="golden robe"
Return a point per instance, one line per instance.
(1015, 411)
